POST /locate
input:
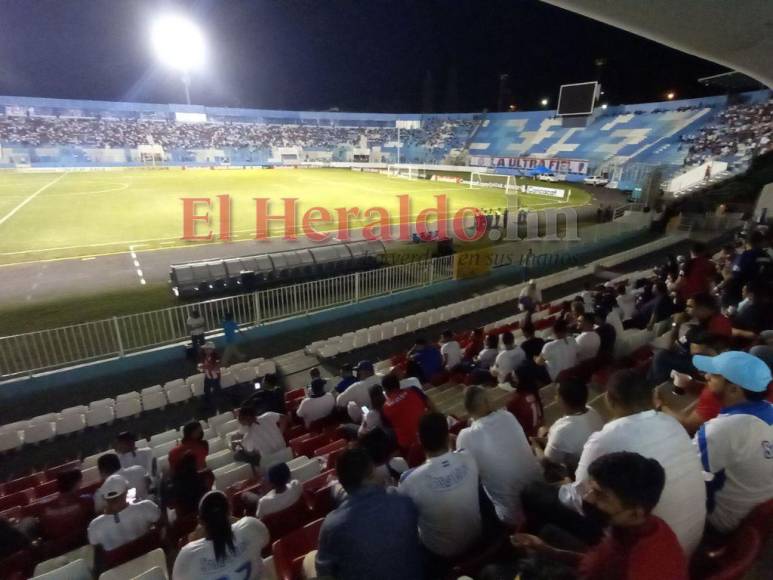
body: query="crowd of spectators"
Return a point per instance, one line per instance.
(130, 133)
(743, 131)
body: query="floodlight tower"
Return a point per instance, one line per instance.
(179, 44)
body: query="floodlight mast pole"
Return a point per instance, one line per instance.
(186, 78)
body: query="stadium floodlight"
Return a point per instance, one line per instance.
(179, 44)
(670, 95)
(604, 106)
(544, 102)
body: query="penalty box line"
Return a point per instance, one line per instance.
(28, 199)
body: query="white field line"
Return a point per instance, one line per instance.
(136, 263)
(29, 199)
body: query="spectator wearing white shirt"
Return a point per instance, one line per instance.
(626, 301)
(530, 297)
(317, 405)
(587, 297)
(558, 354)
(501, 451)
(196, 326)
(285, 494)
(126, 448)
(588, 341)
(358, 392)
(507, 360)
(488, 355)
(109, 465)
(258, 437)
(637, 428)
(225, 550)
(450, 350)
(736, 447)
(568, 435)
(445, 491)
(122, 522)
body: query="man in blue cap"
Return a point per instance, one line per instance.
(736, 447)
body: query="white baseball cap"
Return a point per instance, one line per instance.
(115, 486)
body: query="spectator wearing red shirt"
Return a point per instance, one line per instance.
(193, 441)
(526, 406)
(403, 408)
(65, 519)
(474, 346)
(697, 274)
(623, 490)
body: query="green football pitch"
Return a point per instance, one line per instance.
(45, 216)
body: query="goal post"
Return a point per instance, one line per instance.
(403, 171)
(481, 179)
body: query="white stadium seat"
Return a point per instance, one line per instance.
(91, 460)
(77, 570)
(47, 418)
(85, 553)
(225, 428)
(216, 444)
(9, 440)
(102, 403)
(38, 432)
(266, 367)
(228, 475)
(136, 567)
(90, 475)
(227, 380)
(306, 471)
(171, 384)
(70, 423)
(243, 373)
(217, 420)
(153, 389)
(196, 382)
(79, 409)
(178, 393)
(127, 396)
(152, 400)
(127, 408)
(219, 459)
(162, 465)
(155, 573)
(163, 449)
(166, 436)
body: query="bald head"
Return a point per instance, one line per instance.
(476, 402)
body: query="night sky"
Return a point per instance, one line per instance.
(366, 55)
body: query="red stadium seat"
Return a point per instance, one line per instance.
(321, 501)
(107, 559)
(306, 445)
(13, 513)
(289, 551)
(761, 518)
(294, 432)
(295, 394)
(733, 560)
(16, 485)
(281, 523)
(239, 507)
(330, 447)
(44, 489)
(20, 498)
(321, 425)
(52, 472)
(18, 566)
(318, 481)
(332, 458)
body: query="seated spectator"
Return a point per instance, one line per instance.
(374, 418)
(222, 549)
(184, 490)
(703, 314)
(623, 489)
(525, 405)
(108, 465)
(626, 302)
(474, 346)
(406, 382)
(697, 275)
(558, 354)
(588, 341)
(752, 316)
(126, 448)
(488, 354)
(269, 398)
(372, 534)
(445, 491)
(286, 493)
(587, 296)
(450, 351)
(258, 437)
(380, 446)
(428, 357)
(347, 378)
(122, 522)
(509, 359)
(735, 446)
(70, 512)
(501, 451)
(707, 406)
(317, 405)
(568, 435)
(746, 267)
(403, 410)
(359, 391)
(636, 427)
(192, 442)
(658, 308)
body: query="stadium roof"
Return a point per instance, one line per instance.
(737, 34)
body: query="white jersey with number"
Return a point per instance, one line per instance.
(196, 561)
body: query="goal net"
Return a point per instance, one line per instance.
(406, 172)
(505, 182)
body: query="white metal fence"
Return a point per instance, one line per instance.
(118, 336)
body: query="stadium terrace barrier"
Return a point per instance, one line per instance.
(118, 336)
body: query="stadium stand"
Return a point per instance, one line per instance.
(316, 456)
(618, 141)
